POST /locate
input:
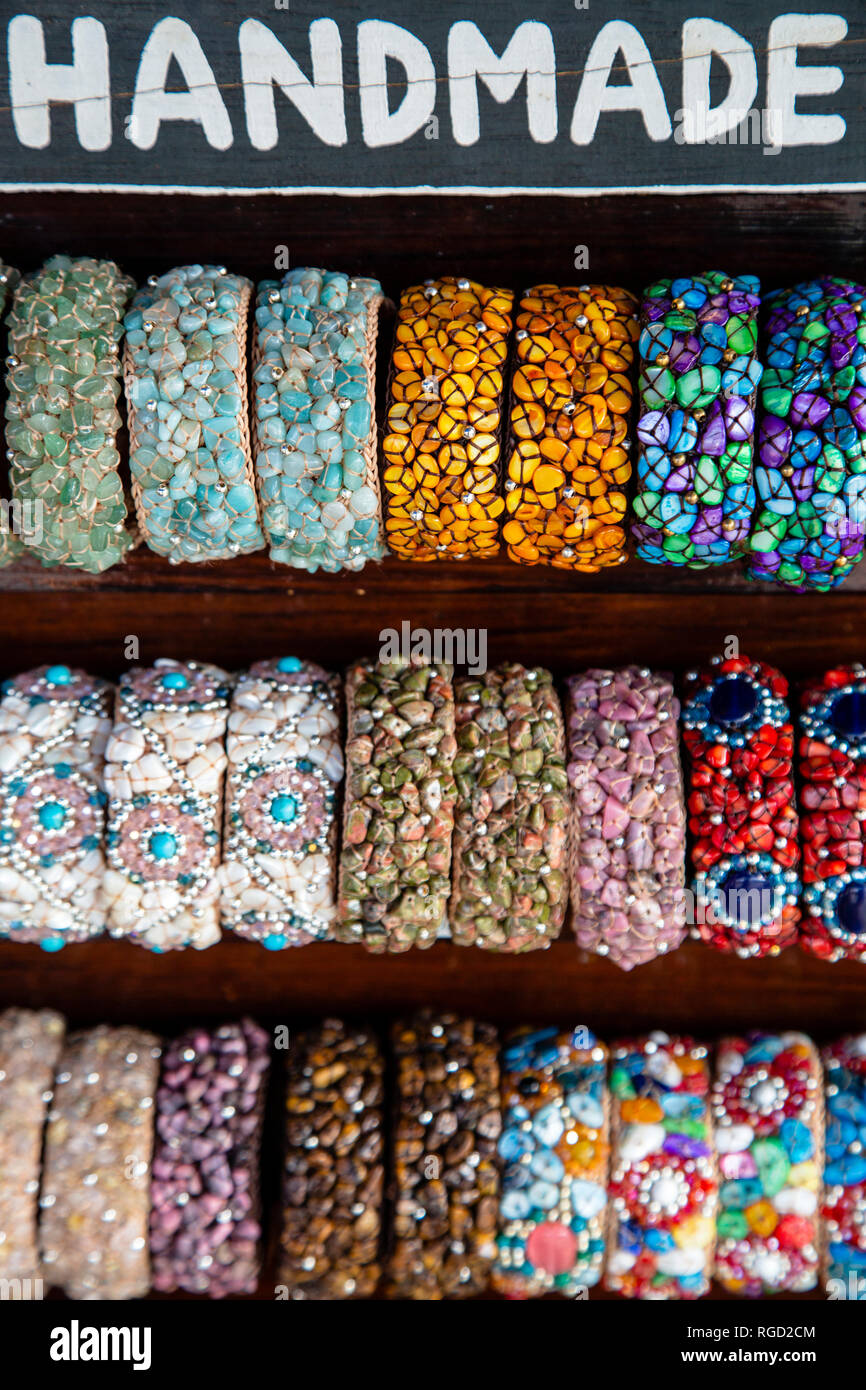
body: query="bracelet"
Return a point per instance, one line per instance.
(663, 1187)
(314, 383)
(809, 530)
(54, 725)
(442, 445)
(164, 770)
(444, 1160)
(698, 386)
(554, 1148)
(280, 844)
(571, 397)
(833, 812)
(185, 371)
(628, 820)
(398, 816)
(843, 1202)
(510, 874)
(768, 1106)
(96, 1166)
(739, 740)
(30, 1044)
(333, 1169)
(11, 526)
(63, 385)
(205, 1220)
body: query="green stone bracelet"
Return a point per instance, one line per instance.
(11, 545)
(63, 384)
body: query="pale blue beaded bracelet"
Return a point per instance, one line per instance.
(314, 378)
(192, 475)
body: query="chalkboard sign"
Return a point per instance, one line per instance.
(384, 96)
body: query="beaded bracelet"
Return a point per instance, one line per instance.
(333, 1168)
(768, 1110)
(399, 809)
(314, 375)
(843, 1202)
(809, 530)
(30, 1044)
(96, 1168)
(628, 820)
(698, 385)
(54, 725)
(442, 446)
(11, 544)
(164, 770)
(663, 1187)
(205, 1220)
(185, 370)
(510, 872)
(554, 1146)
(571, 397)
(444, 1161)
(832, 795)
(739, 741)
(280, 844)
(63, 384)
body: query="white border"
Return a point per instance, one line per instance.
(468, 190)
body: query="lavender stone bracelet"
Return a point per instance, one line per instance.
(628, 817)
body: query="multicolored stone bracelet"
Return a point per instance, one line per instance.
(185, 370)
(333, 1170)
(444, 1161)
(663, 1187)
(11, 525)
(285, 762)
(164, 769)
(398, 814)
(571, 397)
(809, 530)
(768, 1107)
(698, 383)
(832, 798)
(54, 726)
(443, 431)
(554, 1149)
(63, 384)
(739, 743)
(96, 1167)
(510, 871)
(30, 1044)
(205, 1220)
(314, 384)
(843, 1203)
(627, 841)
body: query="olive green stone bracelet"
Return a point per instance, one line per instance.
(63, 384)
(11, 545)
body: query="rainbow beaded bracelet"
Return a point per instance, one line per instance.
(843, 1201)
(739, 743)
(285, 763)
(832, 799)
(768, 1107)
(164, 769)
(698, 384)
(54, 726)
(442, 445)
(571, 396)
(809, 530)
(63, 384)
(11, 518)
(554, 1149)
(314, 384)
(185, 371)
(627, 839)
(663, 1188)
(510, 869)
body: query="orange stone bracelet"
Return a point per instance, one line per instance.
(568, 462)
(442, 444)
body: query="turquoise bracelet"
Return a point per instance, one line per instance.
(63, 384)
(11, 545)
(314, 378)
(185, 369)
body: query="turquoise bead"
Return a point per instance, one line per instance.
(162, 845)
(284, 809)
(58, 675)
(51, 815)
(174, 680)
